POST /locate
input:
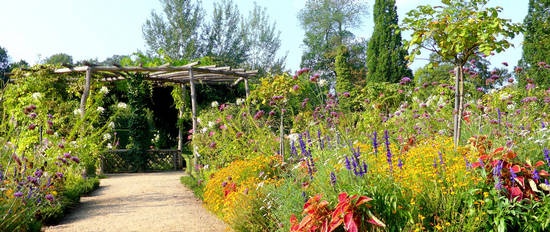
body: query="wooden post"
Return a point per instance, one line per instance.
(193, 115)
(86, 91)
(180, 116)
(246, 89)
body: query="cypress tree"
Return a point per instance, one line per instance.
(385, 51)
(536, 44)
(343, 69)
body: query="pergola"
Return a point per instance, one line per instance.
(186, 74)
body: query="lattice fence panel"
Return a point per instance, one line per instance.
(115, 161)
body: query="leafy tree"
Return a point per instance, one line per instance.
(456, 32)
(385, 52)
(225, 37)
(327, 25)
(19, 64)
(178, 35)
(59, 58)
(4, 65)
(536, 44)
(264, 42)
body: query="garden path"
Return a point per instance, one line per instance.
(140, 202)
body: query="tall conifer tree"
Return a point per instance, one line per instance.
(536, 45)
(385, 51)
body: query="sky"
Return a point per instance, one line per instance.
(35, 29)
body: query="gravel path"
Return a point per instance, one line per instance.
(141, 202)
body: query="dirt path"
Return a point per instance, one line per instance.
(141, 202)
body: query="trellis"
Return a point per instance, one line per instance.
(186, 74)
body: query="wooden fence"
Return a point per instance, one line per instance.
(122, 160)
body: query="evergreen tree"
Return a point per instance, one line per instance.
(385, 52)
(536, 44)
(343, 70)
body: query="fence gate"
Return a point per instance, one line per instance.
(122, 160)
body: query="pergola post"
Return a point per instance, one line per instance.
(180, 116)
(86, 92)
(246, 88)
(193, 114)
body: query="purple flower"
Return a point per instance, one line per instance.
(32, 115)
(38, 173)
(259, 114)
(75, 159)
(400, 163)
(332, 178)
(49, 197)
(348, 164)
(505, 63)
(388, 151)
(536, 175)
(405, 80)
(375, 142)
(59, 175)
(18, 194)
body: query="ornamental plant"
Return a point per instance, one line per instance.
(347, 214)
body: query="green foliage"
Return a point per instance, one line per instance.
(458, 29)
(49, 149)
(536, 44)
(385, 52)
(59, 59)
(327, 25)
(139, 96)
(176, 32)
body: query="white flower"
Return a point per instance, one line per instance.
(106, 136)
(104, 90)
(112, 125)
(204, 130)
(199, 120)
(239, 101)
(293, 137)
(100, 109)
(322, 82)
(511, 107)
(36, 95)
(109, 146)
(122, 105)
(505, 96)
(214, 104)
(77, 112)
(211, 124)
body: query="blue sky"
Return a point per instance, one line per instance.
(35, 29)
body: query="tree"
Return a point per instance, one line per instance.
(4, 65)
(536, 45)
(264, 42)
(343, 71)
(456, 32)
(327, 24)
(177, 37)
(225, 35)
(385, 52)
(59, 58)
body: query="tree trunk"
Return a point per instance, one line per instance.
(459, 102)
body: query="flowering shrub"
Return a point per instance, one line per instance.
(48, 154)
(228, 192)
